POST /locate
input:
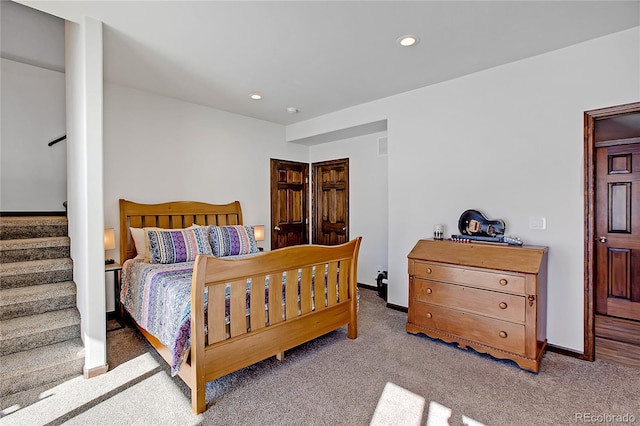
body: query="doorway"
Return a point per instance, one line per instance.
(612, 234)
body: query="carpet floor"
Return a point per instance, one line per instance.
(384, 377)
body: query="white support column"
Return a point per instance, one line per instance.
(84, 69)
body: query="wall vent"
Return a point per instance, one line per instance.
(382, 146)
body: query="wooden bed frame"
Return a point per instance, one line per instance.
(228, 348)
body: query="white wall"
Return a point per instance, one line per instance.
(368, 204)
(32, 174)
(508, 141)
(158, 149)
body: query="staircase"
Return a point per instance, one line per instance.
(39, 324)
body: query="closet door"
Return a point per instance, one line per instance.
(331, 202)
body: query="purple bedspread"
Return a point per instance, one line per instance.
(158, 298)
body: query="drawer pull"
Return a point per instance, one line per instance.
(429, 315)
(429, 291)
(503, 334)
(503, 305)
(503, 282)
(429, 270)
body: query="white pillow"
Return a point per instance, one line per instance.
(138, 236)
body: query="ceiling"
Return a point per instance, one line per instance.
(324, 56)
(625, 126)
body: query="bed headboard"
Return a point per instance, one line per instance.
(175, 214)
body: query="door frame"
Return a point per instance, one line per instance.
(590, 118)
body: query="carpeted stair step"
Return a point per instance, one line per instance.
(34, 272)
(33, 227)
(36, 299)
(25, 249)
(45, 365)
(23, 333)
(40, 341)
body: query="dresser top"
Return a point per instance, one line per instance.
(526, 259)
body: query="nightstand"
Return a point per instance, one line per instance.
(116, 268)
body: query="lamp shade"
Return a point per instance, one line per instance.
(109, 239)
(258, 232)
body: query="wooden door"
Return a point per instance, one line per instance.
(331, 202)
(289, 195)
(618, 229)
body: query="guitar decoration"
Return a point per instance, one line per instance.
(512, 241)
(475, 223)
(474, 226)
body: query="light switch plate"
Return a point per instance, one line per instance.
(537, 222)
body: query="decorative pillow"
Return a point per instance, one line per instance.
(232, 240)
(141, 243)
(138, 236)
(174, 246)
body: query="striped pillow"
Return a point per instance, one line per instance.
(177, 246)
(232, 240)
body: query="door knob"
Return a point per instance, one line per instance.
(276, 228)
(603, 239)
(344, 228)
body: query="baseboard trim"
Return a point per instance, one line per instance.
(96, 371)
(567, 352)
(398, 308)
(551, 348)
(368, 287)
(12, 214)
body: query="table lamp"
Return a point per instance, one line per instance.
(258, 234)
(109, 243)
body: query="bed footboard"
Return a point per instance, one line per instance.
(292, 295)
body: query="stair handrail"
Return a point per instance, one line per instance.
(53, 142)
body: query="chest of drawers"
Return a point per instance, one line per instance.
(490, 297)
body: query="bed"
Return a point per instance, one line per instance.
(239, 310)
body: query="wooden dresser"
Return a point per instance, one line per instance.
(490, 297)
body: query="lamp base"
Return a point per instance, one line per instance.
(109, 262)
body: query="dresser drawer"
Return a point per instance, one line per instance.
(504, 306)
(471, 277)
(504, 335)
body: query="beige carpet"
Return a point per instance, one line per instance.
(385, 376)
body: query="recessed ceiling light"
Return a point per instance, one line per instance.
(407, 40)
(255, 96)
